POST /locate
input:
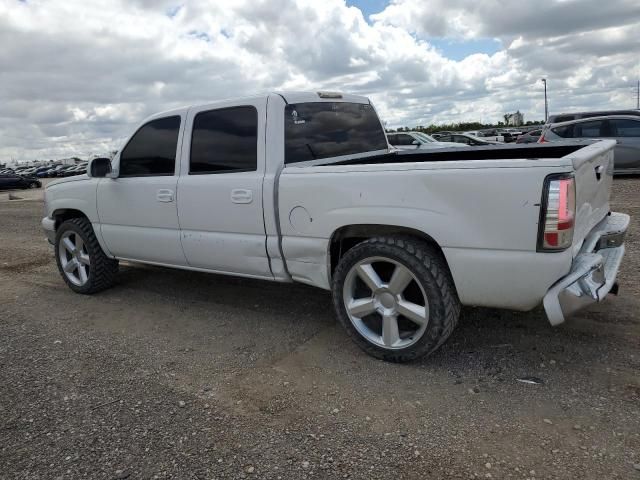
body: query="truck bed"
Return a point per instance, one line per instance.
(490, 152)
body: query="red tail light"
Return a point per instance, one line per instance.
(558, 213)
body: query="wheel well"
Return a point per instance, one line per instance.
(65, 214)
(349, 236)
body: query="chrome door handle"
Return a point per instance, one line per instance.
(164, 195)
(241, 195)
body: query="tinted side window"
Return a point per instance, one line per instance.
(624, 128)
(152, 150)
(461, 139)
(564, 132)
(404, 139)
(589, 129)
(392, 138)
(224, 141)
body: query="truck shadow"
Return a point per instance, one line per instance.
(486, 340)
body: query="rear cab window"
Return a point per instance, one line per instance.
(318, 130)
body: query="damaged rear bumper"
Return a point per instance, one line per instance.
(593, 272)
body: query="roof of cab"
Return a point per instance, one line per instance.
(289, 97)
(321, 96)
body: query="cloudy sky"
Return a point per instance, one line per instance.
(76, 76)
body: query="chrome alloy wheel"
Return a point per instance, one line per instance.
(74, 258)
(385, 302)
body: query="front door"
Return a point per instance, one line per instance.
(220, 189)
(137, 211)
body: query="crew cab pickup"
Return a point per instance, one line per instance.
(304, 187)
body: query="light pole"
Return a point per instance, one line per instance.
(546, 105)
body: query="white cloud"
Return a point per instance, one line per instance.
(76, 76)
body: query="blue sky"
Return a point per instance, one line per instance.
(459, 49)
(369, 7)
(450, 48)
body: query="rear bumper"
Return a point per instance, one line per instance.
(593, 272)
(49, 228)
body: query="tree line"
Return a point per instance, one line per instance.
(460, 127)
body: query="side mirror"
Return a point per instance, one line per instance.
(100, 167)
(416, 143)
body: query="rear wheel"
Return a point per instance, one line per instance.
(81, 262)
(33, 185)
(395, 297)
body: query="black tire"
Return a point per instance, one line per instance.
(33, 185)
(102, 269)
(429, 268)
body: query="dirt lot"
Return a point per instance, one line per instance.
(174, 374)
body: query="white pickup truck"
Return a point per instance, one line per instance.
(304, 187)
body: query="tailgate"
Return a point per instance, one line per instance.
(593, 166)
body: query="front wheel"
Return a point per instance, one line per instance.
(395, 297)
(33, 185)
(83, 265)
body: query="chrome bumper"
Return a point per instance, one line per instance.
(593, 272)
(49, 227)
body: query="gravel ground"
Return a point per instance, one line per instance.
(174, 374)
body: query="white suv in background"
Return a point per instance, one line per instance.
(414, 140)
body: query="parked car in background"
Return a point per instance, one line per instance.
(566, 117)
(437, 135)
(529, 137)
(466, 139)
(414, 140)
(513, 131)
(510, 134)
(52, 172)
(62, 172)
(508, 138)
(624, 129)
(489, 136)
(74, 170)
(45, 173)
(11, 180)
(39, 170)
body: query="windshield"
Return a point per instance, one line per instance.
(331, 129)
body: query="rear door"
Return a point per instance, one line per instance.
(220, 188)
